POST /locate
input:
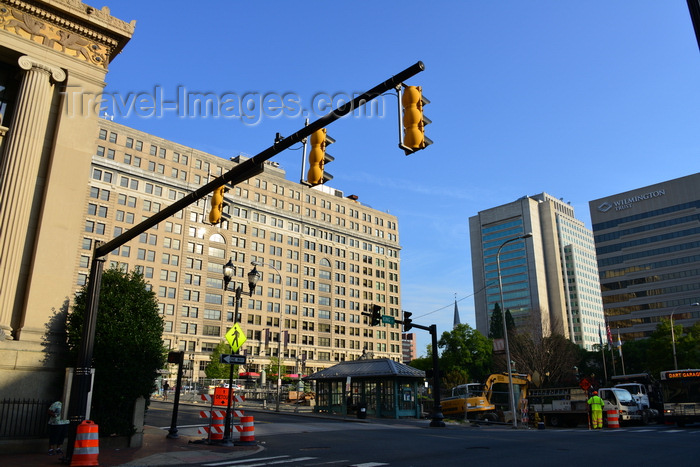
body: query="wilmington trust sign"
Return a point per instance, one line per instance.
(626, 203)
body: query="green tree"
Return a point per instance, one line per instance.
(496, 325)
(217, 370)
(128, 348)
(466, 351)
(426, 362)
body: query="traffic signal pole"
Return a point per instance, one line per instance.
(238, 174)
(438, 417)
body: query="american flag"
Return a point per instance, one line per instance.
(610, 338)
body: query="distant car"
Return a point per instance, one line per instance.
(235, 387)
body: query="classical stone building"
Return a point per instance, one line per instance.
(45, 47)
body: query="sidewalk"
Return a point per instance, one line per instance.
(157, 449)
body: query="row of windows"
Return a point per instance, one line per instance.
(205, 166)
(243, 213)
(643, 254)
(648, 266)
(631, 295)
(645, 228)
(647, 240)
(649, 279)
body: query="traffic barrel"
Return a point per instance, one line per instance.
(217, 425)
(613, 419)
(87, 444)
(247, 429)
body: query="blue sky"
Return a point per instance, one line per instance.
(577, 99)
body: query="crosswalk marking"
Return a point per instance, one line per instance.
(276, 460)
(265, 461)
(243, 461)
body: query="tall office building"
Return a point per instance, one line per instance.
(648, 246)
(324, 258)
(550, 281)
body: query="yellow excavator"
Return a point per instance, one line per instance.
(488, 401)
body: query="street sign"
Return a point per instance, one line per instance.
(221, 397)
(388, 319)
(235, 337)
(232, 359)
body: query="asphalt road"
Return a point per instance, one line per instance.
(299, 440)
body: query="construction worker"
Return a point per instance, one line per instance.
(597, 405)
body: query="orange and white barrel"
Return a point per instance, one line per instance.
(613, 419)
(247, 429)
(216, 432)
(87, 444)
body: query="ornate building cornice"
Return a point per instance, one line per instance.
(67, 26)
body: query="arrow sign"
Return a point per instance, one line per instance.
(231, 359)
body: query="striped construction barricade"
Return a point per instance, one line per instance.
(87, 444)
(247, 431)
(613, 419)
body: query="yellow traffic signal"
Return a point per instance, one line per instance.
(318, 158)
(217, 205)
(414, 121)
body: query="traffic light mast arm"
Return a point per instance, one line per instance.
(254, 165)
(241, 172)
(414, 325)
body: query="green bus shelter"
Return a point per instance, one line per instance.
(379, 387)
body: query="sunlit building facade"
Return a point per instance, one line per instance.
(550, 282)
(323, 258)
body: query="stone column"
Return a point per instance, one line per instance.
(20, 167)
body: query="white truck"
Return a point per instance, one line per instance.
(569, 406)
(645, 391)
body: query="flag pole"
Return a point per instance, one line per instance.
(610, 345)
(619, 348)
(602, 351)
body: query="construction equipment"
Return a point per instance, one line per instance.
(488, 401)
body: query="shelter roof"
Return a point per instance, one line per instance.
(381, 367)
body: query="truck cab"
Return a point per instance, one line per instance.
(638, 392)
(621, 400)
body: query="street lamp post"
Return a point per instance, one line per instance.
(673, 334)
(511, 397)
(279, 338)
(252, 280)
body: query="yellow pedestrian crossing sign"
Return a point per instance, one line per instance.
(235, 337)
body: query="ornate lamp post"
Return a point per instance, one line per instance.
(253, 277)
